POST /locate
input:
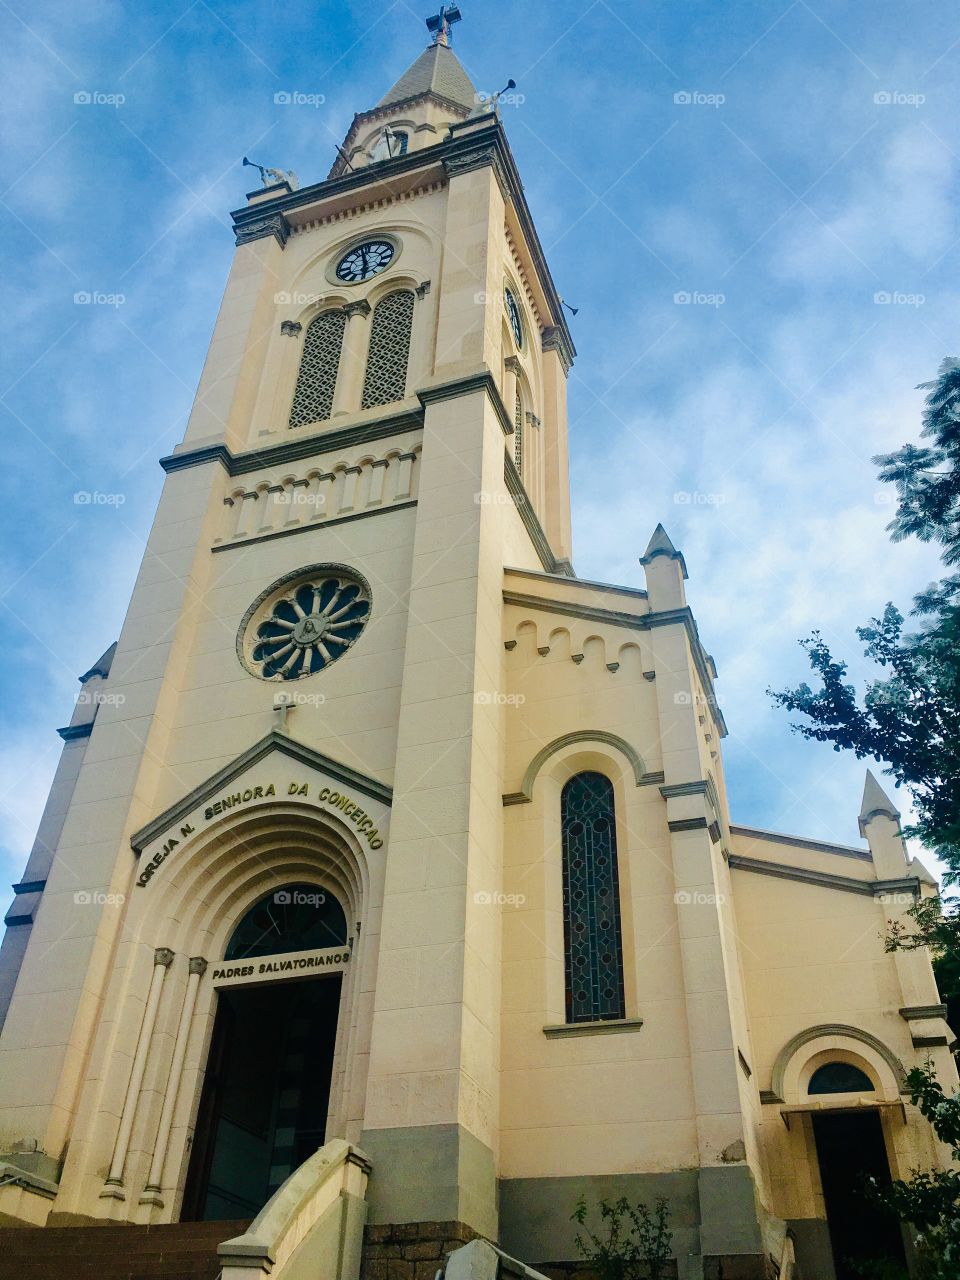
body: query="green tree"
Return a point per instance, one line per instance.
(909, 719)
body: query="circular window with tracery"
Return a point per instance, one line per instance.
(303, 623)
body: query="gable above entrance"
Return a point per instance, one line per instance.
(277, 769)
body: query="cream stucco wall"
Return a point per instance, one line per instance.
(485, 678)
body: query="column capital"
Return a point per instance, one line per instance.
(163, 956)
(198, 965)
(359, 308)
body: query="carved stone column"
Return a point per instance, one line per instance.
(162, 960)
(151, 1192)
(353, 353)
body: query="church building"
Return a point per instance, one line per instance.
(388, 896)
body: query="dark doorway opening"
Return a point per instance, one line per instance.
(263, 1109)
(850, 1149)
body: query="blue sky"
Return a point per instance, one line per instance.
(789, 168)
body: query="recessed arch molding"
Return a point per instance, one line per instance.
(834, 1029)
(525, 794)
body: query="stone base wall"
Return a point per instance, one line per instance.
(410, 1250)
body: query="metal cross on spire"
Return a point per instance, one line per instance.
(440, 25)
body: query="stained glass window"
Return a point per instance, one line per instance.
(317, 379)
(591, 900)
(386, 378)
(839, 1077)
(296, 917)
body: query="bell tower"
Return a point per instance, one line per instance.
(388, 892)
(378, 431)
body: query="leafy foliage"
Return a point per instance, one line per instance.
(910, 718)
(930, 1199)
(927, 479)
(637, 1244)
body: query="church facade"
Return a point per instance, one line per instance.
(379, 827)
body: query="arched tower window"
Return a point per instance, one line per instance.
(295, 917)
(518, 433)
(386, 377)
(317, 379)
(591, 900)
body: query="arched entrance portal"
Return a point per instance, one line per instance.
(266, 1090)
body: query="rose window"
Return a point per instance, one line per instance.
(303, 627)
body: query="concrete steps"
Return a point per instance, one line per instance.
(175, 1251)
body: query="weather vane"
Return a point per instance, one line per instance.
(440, 25)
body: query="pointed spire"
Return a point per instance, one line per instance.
(661, 545)
(102, 665)
(875, 802)
(437, 71)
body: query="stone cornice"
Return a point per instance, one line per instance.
(825, 879)
(698, 787)
(921, 1012)
(30, 886)
(238, 464)
(798, 842)
(483, 381)
(317, 525)
(604, 1027)
(274, 224)
(572, 580)
(637, 622)
(553, 339)
(274, 741)
(74, 731)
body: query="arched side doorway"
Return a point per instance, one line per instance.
(842, 1087)
(266, 1089)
